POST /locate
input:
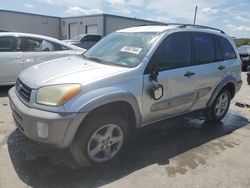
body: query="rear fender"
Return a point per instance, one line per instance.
(221, 85)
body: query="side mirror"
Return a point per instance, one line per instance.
(157, 92)
(154, 75)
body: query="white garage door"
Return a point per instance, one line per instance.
(72, 30)
(91, 29)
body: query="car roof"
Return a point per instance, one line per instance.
(147, 29)
(174, 26)
(16, 34)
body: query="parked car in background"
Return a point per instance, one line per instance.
(244, 52)
(131, 78)
(21, 50)
(85, 41)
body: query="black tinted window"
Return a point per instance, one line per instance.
(96, 38)
(8, 44)
(173, 52)
(219, 55)
(228, 51)
(204, 48)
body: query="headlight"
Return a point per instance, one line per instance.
(56, 95)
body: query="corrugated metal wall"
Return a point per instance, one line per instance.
(29, 23)
(114, 23)
(81, 23)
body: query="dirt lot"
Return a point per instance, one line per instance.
(183, 152)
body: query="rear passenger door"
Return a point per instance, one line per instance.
(11, 60)
(231, 65)
(208, 64)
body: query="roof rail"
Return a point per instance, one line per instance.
(195, 26)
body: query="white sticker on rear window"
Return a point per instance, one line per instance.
(131, 49)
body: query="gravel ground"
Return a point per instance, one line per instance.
(181, 152)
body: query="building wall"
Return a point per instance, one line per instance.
(57, 27)
(30, 23)
(82, 23)
(114, 23)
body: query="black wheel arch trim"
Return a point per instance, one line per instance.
(221, 85)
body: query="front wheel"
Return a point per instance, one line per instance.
(219, 107)
(100, 139)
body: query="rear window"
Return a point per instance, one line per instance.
(227, 49)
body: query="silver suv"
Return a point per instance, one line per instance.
(131, 78)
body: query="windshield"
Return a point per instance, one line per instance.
(123, 48)
(78, 37)
(245, 48)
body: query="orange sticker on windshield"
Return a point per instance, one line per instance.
(130, 49)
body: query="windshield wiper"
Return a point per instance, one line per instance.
(98, 60)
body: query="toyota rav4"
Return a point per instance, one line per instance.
(131, 78)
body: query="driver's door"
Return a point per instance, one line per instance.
(172, 59)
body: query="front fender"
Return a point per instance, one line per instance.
(96, 98)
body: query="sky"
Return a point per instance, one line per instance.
(232, 16)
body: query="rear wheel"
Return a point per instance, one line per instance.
(219, 107)
(100, 139)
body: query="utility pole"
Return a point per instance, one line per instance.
(196, 8)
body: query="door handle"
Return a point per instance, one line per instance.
(221, 67)
(189, 74)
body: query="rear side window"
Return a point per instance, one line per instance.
(204, 48)
(8, 44)
(227, 49)
(59, 47)
(173, 52)
(219, 55)
(36, 45)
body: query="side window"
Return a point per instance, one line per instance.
(59, 47)
(36, 45)
(228, 51)
(219, 55)
(204, 48)
(173, 52)
(87, 38)
(47, 46)
(96, 38)
(8, 44)
(30, 44)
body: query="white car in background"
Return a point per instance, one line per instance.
(19, 51)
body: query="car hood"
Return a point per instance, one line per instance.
(73, 69)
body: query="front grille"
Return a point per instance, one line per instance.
(23, 90)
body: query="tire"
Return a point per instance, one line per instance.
(100, 139)
(217, 112)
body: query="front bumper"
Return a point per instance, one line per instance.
(61, 128)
